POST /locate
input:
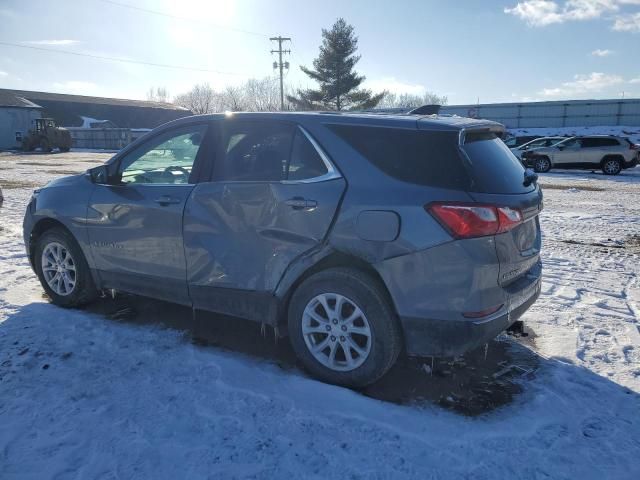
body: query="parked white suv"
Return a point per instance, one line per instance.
(537, 143)
(609, 153)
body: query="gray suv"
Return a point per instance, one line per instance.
(360, 235)
(611, 154)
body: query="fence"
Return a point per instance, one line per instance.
(100, 138)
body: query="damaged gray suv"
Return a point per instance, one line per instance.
(362, 236)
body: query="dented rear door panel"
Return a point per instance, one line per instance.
(240, 237)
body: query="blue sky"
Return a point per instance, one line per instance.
(505, 50)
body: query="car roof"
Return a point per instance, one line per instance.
(596, 136)
(402, 120)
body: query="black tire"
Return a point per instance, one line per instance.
(368, 295)
(541, 164)
(84, 290)
(44, 145)
(65, 149)
(611, 166)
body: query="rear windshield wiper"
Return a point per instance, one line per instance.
(529, 177)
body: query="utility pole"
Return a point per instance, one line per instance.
(280, 65)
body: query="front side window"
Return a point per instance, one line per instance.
(165, 159)
(570, 143)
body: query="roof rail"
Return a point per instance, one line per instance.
(422, 110)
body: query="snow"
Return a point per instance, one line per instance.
(83, 396)
(87, 121)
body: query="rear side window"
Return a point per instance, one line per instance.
(609, 142)
(305, 160)
(414, 156)
(484, 164)
(267, 152)
(494, 169)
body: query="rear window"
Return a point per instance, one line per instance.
(413, 156)
(494, 168)
(435, 159)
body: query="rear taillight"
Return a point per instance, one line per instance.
(469, 220)
(634, 146)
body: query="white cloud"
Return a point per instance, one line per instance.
(583, 84)
(393, 85)
(602, 52)
(635, 81)
(3, 74)
(53, 42)
(627, 23)
(540, 13)
(77, 87)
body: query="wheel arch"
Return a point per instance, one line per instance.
(47, 223)
(330, 260)
(612, 156)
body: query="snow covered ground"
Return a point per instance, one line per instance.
(86, 397)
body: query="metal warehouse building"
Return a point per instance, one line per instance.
(564, 113)
(16, 114)
(72, 110)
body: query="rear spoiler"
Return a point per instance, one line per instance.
(426, 110)
(495, 128)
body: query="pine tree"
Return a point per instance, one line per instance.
(333, 70)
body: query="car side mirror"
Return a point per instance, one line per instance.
(99, 175)
(560, 147)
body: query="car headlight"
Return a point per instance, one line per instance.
(33, 199)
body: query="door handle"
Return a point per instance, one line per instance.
(165, 200)
(299, 203)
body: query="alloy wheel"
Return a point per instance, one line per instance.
(542, 164)
(336, 332)
(611, 167)
(58, 268)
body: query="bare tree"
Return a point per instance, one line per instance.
(158, 94)
(233, 99)
(409, 100)
(200, 99)
(255, 95)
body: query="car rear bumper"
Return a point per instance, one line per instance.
(431, 289)
(448, 338)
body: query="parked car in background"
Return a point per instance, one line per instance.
(609, 153)
(360, 235)
(513, 141)
(537, 143)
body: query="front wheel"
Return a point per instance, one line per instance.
(63, 270)
(44, 145)
(611, 166)
(343, 328)
(542, 164)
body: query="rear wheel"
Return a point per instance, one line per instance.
(611, 166)
(542, 164)
(343, 328)
(63, 270)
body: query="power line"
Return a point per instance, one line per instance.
(124, 60)
(280, 65)
(178, 17)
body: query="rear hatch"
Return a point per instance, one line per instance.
(498, 178)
